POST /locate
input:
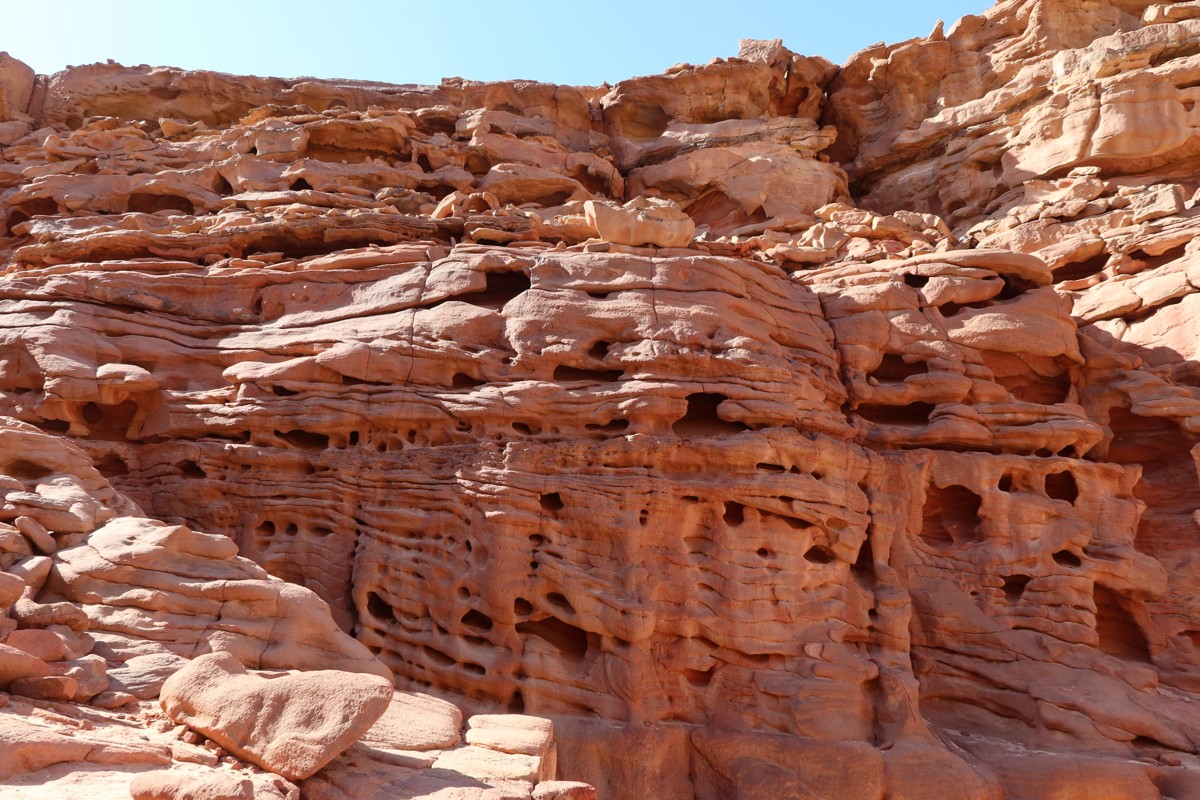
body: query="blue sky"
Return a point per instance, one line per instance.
(569, 42)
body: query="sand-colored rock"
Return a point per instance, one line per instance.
(164, 785)
(641, 221)
(291, 725)
(414, 721)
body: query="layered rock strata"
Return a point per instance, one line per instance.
(750, 421)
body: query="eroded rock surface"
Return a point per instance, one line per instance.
(745, 422)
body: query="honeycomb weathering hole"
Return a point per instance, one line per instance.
(951, 516)
(1118, 632)
(702, 417)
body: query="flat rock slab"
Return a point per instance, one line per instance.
(416, 721)
(485, 764)
(143, 676)
(511, 733)
(292, 724)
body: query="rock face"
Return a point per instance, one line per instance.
(747, 422)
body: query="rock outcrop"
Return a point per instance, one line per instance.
(762, 429)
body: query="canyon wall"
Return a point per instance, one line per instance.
(779, 429)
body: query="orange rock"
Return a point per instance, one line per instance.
(38, 642)
(46, 687)
(748, 419)
(16, 664)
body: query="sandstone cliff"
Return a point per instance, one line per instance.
(779, 429)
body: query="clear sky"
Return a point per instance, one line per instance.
(569, 42)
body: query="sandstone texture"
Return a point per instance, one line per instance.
(761, 429)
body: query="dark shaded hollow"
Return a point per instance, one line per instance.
(702, 417)
(951, 516)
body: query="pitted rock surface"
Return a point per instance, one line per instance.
(746, 421)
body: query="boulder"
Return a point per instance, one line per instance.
(291, 724)
(17, 664)
(643, 221)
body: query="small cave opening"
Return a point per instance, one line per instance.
(864, 564)
(462, 380)
(722, 212)
(1028, 385)
(24, 470)
(522, 607)
(552, 502)
(305, 440)
(109, 422)
(516, 703)
(1014, 286)
(477, 620)
(300, 185)
(1150, 261)
(1062, 486)
(1117, 630)
(612, 426)
(112, 466)
(1078, 270)
(188, 468)
(571, 642)
(1169, 487)
(499, 289)
(950, 517)
(147, 203)
(1014, 587)
(702, 417)
(285, 570)
(39, 207)
(916, 281)
(560, 602)
(735, 514)
(644, 121)
(1065, 558)
(1006, 482)
(819, 554)
(949, 310)
(379, 609)
(894, 369)
(911, 415)
(35, 207)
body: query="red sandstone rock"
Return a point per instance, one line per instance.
(878, 451)
(38, 642)
(16, 664)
